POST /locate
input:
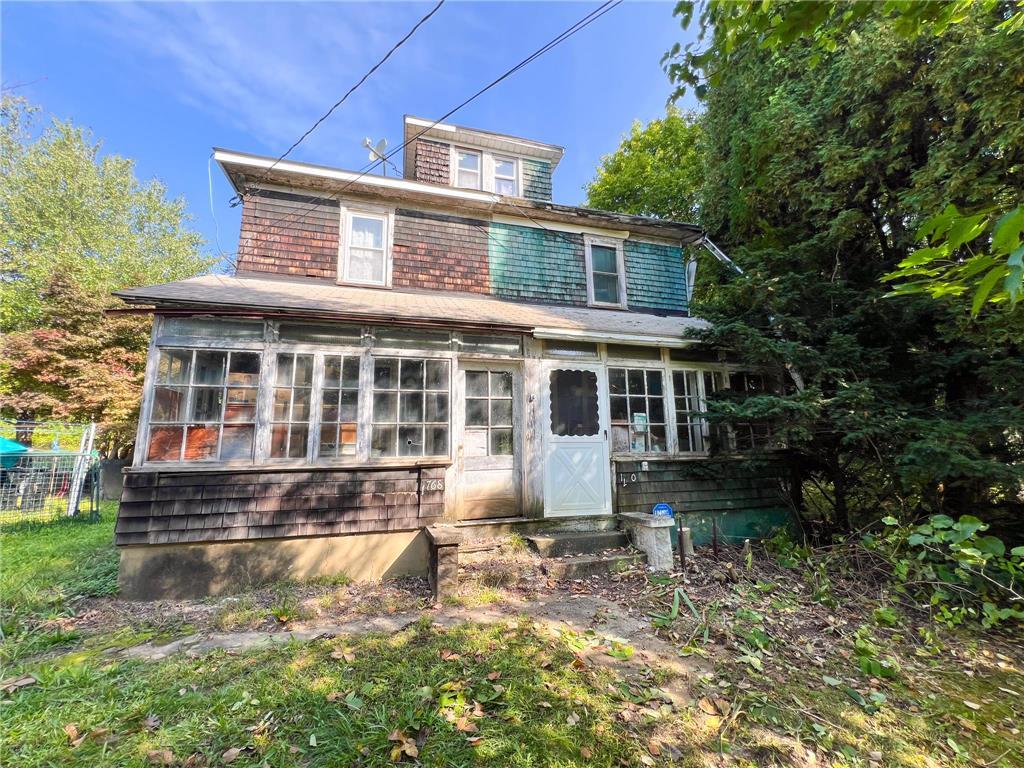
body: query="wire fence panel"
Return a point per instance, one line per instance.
(41, 485)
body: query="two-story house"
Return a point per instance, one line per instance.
(391, 353)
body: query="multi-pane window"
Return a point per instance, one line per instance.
(604, 272)
(488, 413)
(410, 407)
(637, 410)
(365, 248)
(749, 435)
(691, 426)
(505, 176)
(293, 395)
(204, 406)
(467, 169)
(339, 411)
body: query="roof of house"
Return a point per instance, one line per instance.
(299, 297)
(416, 127)
(245, 170)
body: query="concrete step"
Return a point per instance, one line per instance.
(580, 566)
(576, 542)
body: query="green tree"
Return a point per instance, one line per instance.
(654, 172)
(67, 210)
(965, 246)
(74, 227)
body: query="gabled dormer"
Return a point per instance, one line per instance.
(468, 158)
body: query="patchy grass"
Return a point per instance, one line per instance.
(45, 569)
(499, 695)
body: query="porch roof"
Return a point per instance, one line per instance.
(297, 297)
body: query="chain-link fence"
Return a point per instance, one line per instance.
(47, 470)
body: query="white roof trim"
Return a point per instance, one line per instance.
(472, 136)
(563, 334)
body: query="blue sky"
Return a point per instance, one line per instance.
(162, 83)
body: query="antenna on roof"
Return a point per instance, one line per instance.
(377, 154)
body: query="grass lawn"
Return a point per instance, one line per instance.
(798, 675)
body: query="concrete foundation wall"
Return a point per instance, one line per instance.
(198, 570)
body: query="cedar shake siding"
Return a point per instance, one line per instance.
(536, 175)
(445, 253)
(232, 505)
(537, 265)
(432, 162)
(289, 234)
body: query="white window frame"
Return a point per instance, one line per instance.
(588, 242)
(494, 159)
(455, 166)
(385, 215)
(487, 168)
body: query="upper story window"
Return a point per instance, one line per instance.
(505, 176)
(480, 169)
(606, 274)
(467, 169)
(365, 247)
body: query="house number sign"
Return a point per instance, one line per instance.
(432, 485)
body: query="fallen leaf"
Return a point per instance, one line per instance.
(12, 684)
(971, 704)
(449, 655)
(493, 676)
(474, 740)
(586, 753)
(707, 706)
(72, 731)
(334, 696)
(151, 723)
(654, 748)
(465, 725)
(160, 757)
(230, 755)
(723, 706)
(572, 719)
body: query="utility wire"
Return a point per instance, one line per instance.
(588, 19)
(353, 89)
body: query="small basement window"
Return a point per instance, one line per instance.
(467, 169)
(606, 278)
(204, 406)
(365, 248)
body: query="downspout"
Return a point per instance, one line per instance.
(719, 254)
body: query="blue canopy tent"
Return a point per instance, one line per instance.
(10, 452)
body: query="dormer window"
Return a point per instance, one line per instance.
(480, 169)
(365, 257)
(467, 169)
(606, 274)
(505, 176)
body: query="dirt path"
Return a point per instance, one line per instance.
(601, 621)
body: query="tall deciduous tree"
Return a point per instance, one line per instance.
(75, 226)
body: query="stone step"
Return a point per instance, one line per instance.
(576, 542)
(580, 566)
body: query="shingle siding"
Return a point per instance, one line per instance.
(536, 179)
(655, 276)
(536, 265)
(445, 253)
(432, 159)
(288, 234)
(175, 508)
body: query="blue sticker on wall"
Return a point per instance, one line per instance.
(662, 510)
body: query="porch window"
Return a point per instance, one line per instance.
(505, 176)
(691, 388)
(606, 280)
(467, 169)
(750, 435)
(365, 242)
(204, 406)
(637, 410)
(410, 407)
(293, 396)
(339, 410)
(489, 413)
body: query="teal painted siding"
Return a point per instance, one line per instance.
(536, 264)
(536, 179)
(655, 276)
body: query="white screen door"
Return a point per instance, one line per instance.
(576, 471)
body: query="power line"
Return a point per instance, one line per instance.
(353, 89)
(588, 19)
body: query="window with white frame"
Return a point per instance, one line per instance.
(204, 406)
(468, 171)
(365, 246)
(410, 407)
(606, 279)
(339, 409)
(293, 397)
(636, 400)
(690, 388)
(505, 179)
